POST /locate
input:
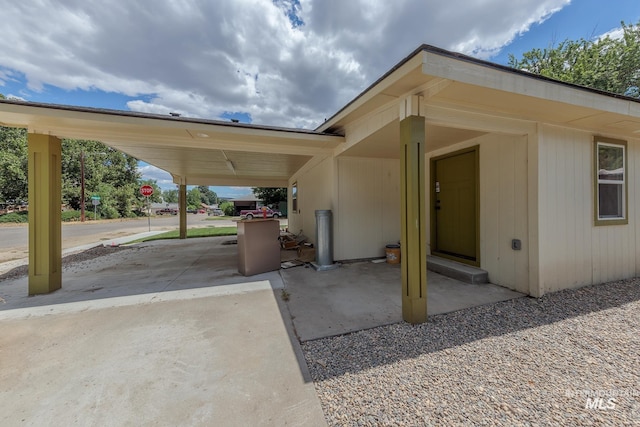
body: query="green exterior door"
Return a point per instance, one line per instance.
(455, 206)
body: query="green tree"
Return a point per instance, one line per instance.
(13, 165)
(193, 198)
(109, 173)
(609, 64)
(207, 196)
(228, 208)
(170, 196)
(270, 196)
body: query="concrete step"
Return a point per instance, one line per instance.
(456, 270)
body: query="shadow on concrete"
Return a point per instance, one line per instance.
(145, 268)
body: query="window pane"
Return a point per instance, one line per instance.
(610, 200)
(294, 197)
(610, 163)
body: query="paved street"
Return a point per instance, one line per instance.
(14, 238)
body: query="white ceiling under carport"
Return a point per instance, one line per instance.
(193, 151)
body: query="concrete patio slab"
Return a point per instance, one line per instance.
(364, 295)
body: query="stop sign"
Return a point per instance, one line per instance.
(146, 190)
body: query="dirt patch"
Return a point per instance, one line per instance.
(89, 254)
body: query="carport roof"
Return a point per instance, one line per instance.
(195, 151)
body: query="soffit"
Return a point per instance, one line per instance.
(533, 108)
(462, 83)
(194, 151)
(385, 142)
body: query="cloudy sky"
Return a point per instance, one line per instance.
(278, 62)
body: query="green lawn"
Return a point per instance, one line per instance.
(218, 218)
(193, 232)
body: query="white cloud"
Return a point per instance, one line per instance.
(615, 34)
(162, 178)
(15, 97)
(204, 58)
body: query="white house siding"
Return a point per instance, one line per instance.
(573, 251)
(503, 210)
(503, 207)
(315, 190)
(368, 217)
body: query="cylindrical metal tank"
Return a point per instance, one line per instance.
(324, 237)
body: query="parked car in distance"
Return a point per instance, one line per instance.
(216, 212)
(257, 213)
(167, 211)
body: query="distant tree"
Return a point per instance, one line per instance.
(193, 198)
(207, 196)
(270, 196)
(609, 64)
(13, 165)
(228, 208)
(170, 196)
(108, 173)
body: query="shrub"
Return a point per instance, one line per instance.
(68, 216)
(108, 212)
(15, 217)
(228, 208)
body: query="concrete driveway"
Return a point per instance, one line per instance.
(167, 333)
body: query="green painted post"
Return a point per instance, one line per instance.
(45, 223)
(182, 210)
(413, 238)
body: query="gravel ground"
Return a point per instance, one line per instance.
(521, 362)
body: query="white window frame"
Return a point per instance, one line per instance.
(610, 220)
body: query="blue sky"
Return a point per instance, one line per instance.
(278, 62)
(581, 19)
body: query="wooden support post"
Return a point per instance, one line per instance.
(413, 217)
(45, 222)
(182, 210)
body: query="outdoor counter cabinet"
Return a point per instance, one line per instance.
(258, 246)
